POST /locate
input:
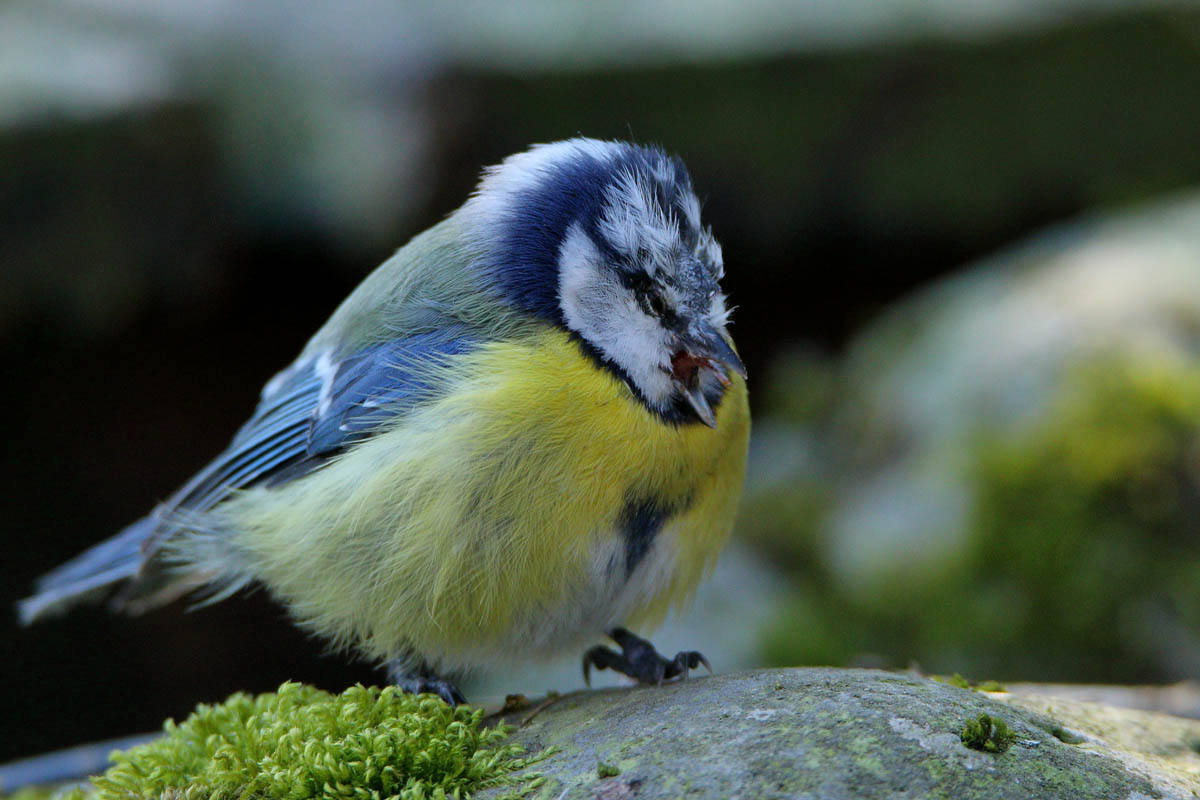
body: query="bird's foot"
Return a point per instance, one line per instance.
(431, 684)
(639, 660)
(423, 681)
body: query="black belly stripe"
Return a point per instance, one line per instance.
(641, 521)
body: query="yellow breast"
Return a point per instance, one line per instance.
(495, 511)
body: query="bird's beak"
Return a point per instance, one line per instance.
(703, 348)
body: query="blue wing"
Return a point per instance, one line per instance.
(309, 413)
(319, 407)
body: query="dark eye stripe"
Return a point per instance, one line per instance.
(657, 305)
(637, 282)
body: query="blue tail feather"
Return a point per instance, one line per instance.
(84, 577)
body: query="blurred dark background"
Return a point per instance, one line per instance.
(989, 469)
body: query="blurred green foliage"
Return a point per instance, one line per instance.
(1080, 561)
(798, 393)
(1087, 523)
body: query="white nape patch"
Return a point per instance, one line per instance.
(523, 171)
(633, 220)
(600, 309)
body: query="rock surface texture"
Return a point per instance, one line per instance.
(834, 734)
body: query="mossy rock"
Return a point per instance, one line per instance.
(817, 733)
(829, 734)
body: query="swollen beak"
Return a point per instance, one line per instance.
(698, 402)
(712, 345)
(704, 348)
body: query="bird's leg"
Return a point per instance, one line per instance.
(421, 679)
(639, 660)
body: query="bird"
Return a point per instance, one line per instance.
(526, 430)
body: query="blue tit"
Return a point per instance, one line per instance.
(525, 429)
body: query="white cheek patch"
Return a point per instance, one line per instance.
(594, 302)
(597, 307)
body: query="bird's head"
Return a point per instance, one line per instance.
(605, 240)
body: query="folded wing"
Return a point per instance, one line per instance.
(310, 413)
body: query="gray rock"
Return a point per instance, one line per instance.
(829, 734)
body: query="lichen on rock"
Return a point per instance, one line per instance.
(827, 734)
(815, 733)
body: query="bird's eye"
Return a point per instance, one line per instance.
(648, 295)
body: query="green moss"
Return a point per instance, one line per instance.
(606, 770)
(962, 683)
(953, 680)
(987, 733)
(1065, 736)
(302, 742)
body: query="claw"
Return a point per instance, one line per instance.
(592, 657)
(686, 660)
(436, 686)
(423, 681)
(639, 660)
